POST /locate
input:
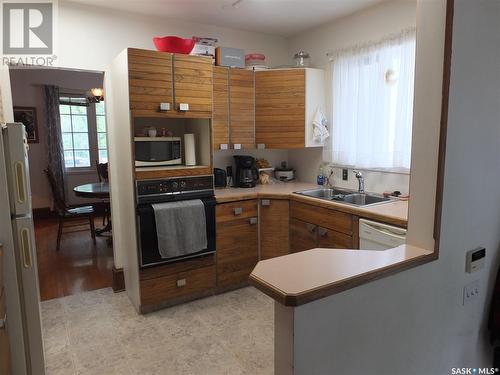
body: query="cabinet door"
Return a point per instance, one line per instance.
(334, 240)
(220, 112)
(280, 108)
(242, 108)
(150, 80)
(237, 251)
(303, 236)
(193, 85)
(274, 228)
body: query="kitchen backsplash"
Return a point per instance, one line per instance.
(224, 158)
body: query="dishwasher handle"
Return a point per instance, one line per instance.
(385, 230)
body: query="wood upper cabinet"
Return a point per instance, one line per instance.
(150, 79)
(233, 118)
(274, 228)
(193, 84)
(286, 101)
(242, 108)
(161, 77)
(237, 243)
(220, 111)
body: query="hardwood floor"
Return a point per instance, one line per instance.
(79, 265)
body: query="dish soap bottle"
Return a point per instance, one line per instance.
(320, 180)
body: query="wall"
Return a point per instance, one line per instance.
(370, 24)
(414, 322)
(90, 37)
(27, 91)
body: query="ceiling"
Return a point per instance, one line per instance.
(278, 17)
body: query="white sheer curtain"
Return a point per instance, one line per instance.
(372, 104)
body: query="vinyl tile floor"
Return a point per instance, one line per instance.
(100, 333)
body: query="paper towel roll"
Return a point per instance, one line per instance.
(189, 149)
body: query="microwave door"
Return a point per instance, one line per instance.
(16, 156)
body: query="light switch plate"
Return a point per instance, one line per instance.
(471, 292)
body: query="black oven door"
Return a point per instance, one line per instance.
(148, 240)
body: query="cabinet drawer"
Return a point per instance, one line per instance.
(303, 236)
(334, 240)
(326, 218)
(193, 283)
(236, 210)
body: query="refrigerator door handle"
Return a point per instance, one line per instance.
(20, 183)
(26, 248)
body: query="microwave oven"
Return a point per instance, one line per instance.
(157, 151)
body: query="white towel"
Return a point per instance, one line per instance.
(320, 130)
(180, 227)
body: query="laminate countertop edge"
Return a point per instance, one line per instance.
(300, 278)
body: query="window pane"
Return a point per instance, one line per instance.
(67, 141)
(101, 140)
(101, 123)
(103, 156)
(80, 123)
(82, 158)
(68, 159)
(78, 110)
(99, 108)
(64, 109)
(80, 141)
(66, 123)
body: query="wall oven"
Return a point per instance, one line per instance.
(157, 151)
(170, 190)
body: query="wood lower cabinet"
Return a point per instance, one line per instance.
(237, 243)
(312, 226)
(303, 236)
(274, 228)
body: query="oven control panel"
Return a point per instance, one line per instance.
(175, 186)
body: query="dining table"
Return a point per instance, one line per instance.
(96, 190)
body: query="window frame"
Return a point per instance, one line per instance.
(92, 134)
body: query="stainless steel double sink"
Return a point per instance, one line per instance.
(345, 196)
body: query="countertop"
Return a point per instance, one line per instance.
(395, 213)
(303, 277)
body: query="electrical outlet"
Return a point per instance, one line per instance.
(345, 174)
(471, 292)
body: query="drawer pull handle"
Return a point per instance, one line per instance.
(253, 220)
(323, 232)
(26, 247)
(237, 211)
(311, 228)
(181, 283)
(266, 202)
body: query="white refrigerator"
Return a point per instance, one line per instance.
(17, 236)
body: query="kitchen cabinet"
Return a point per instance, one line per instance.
(274, 228)
(312, 226)
(286, 101)
(233, 118)
(174, 79)
(237, 243)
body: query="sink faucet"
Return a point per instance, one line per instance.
(361, 181)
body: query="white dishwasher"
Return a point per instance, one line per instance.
(379, 236)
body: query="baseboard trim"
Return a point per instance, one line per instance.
(118, 280)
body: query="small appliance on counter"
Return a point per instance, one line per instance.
(284, 173)
(220, 178)
(246, 171)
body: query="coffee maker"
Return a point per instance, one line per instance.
(246, 171)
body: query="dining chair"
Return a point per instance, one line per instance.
(103, 175)
(69, 215)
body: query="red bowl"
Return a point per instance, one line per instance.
(174, 44)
